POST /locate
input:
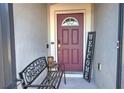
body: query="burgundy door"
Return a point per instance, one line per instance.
(70, 40)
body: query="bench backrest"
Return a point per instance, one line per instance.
(32, 71)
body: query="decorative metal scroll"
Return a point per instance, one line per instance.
(70, 21)
(33, 70)
(89, 55)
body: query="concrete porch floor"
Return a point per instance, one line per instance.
(76, 81)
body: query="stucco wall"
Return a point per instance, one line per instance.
(106, 27)
(7, 62)
(54, 8)
(1, 61)
(30, 21)
(122, 82)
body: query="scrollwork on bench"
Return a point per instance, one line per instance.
(34, 69)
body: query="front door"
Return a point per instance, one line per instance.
(70, 40)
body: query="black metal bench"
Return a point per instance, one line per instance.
(33, 70)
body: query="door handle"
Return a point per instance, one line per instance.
(59, 45)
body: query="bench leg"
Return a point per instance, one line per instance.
(64, 78)
(48, 76)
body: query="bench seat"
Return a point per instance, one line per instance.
(53, 79)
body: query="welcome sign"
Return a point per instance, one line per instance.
(89, 55)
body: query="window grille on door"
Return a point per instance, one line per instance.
(70, 21)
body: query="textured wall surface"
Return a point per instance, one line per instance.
(1, 61)
(7, 58)
(122, 82)
(106, 27)
(123, 62)
(30, 22)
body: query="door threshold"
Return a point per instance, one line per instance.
(74, 74)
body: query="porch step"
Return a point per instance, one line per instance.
(74, 74)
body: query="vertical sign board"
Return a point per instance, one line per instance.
(89, 56)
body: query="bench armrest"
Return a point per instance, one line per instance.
(38, 86)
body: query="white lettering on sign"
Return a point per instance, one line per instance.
(86, 75)
(89, 50)
(87, 62)
(89, 55)
(87, 69)
(90, 36)
(90, 44)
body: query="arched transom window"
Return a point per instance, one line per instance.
(70, 21)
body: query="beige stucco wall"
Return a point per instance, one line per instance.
(30, 24)
(53, 9)
(106, 26)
